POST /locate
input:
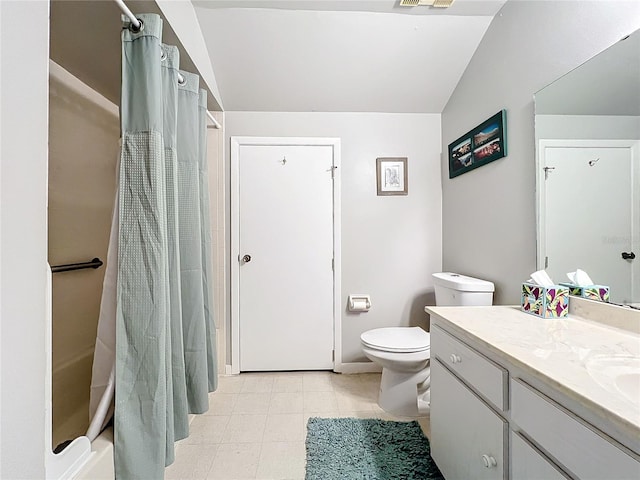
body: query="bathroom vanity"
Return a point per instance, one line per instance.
(514, 396)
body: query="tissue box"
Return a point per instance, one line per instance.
(592, 292)
(545, 302)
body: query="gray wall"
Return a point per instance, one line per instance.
(489, 222)
(390, 245)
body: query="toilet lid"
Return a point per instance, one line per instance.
(397, 339)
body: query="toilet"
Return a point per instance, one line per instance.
(404, 352)
(460, 290)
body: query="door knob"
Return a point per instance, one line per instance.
(246, 259)
(628, 256)
(455, 358)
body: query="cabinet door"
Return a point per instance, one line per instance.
(528, 464)
(488, 378)
(577, 446)
(466, 435)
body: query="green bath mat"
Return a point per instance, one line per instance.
(371, 449)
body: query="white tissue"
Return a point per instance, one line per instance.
(542, 278)
(580, 278)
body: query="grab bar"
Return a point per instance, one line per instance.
(95, 263)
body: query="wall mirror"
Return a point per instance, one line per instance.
(588, 172)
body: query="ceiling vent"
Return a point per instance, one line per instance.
(426, 3)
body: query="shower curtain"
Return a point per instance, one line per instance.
(156, 334)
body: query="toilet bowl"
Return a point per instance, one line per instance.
(403, 353)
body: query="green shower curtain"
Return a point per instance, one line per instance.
(165, 338)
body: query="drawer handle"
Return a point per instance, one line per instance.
(489, 461)
(455, 358)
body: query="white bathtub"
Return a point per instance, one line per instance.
(100, 464)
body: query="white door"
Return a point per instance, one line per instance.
(588, 215)
(285, 264)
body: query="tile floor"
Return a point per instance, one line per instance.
(256, 424)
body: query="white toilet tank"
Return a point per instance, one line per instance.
(456, 289)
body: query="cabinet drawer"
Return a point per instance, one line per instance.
(577, 447)
(465, 432)
(529, 464)
(486, 377)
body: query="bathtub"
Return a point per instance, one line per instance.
(100, 464)
(70, 408)
(83, 460)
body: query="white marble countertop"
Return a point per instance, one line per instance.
(558, 352)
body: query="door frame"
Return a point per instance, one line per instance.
(543, 144)
(236, 143)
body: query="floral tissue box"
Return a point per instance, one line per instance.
(545, 302)
(592, 292)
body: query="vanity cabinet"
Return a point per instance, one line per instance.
(491, 420)
(574, 443)
(466, 425)
(487, 377)
(528, 463)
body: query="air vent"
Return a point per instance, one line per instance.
(426, 3)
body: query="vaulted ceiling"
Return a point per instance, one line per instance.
(340, 55)
(295, 55)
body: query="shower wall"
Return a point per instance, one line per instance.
(83, 149)
(83, 152)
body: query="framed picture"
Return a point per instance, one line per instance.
(485, 143)
(391, 174)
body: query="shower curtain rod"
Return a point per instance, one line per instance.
(128, 13)
(136, 24)
(212, 118)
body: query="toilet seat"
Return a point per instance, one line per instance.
(397, 339)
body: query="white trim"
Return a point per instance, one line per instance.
(635, 214)
(543, 144)
(234, 312)
(337, 256)
(360, 367)
(236, 143)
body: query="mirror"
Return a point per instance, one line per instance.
(588, 172)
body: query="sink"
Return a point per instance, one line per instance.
(619, 373)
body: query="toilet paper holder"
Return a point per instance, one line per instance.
(359, 303)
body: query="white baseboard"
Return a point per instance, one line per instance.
(348, 368)
(360, 367)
